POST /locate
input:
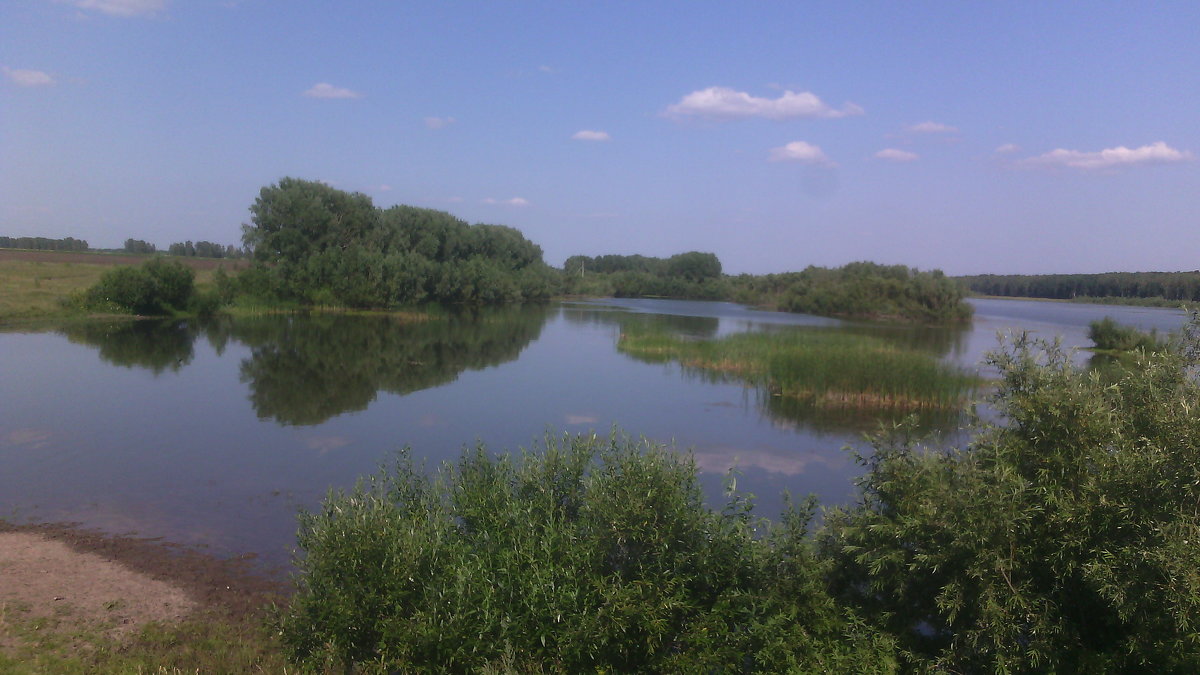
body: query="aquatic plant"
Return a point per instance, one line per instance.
(830, 369)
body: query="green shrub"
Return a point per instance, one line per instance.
(1062, 539)
(156, 287)
(1110, 335)
(593, 555)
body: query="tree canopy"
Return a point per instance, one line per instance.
(316, 244)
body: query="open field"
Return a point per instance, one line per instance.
(33, 284)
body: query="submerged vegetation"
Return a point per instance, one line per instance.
(823, 368)
(1060, 538)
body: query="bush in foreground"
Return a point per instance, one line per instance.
(593, 555)
(1065, 539)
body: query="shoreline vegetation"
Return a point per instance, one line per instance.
(823, 369)
(313, 245)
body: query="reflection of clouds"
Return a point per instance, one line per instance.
(429, 420)
(720, 459)
(27, 438)
(324, 444)
(582, 419)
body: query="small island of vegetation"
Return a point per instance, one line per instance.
(822, 369)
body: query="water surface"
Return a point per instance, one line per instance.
(214, 433)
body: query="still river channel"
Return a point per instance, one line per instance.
(213, 434)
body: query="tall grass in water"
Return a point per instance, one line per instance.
(828, 369)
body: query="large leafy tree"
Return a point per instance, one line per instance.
(294, 219)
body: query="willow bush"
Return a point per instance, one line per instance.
(591, 555)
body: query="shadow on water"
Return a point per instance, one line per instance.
(305, 370)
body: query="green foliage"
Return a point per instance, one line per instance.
(1109, 335)
(1173, 286)
(138, 246)
(860, 289)
(157, 287)
(1062, 539)
(44, 243)
(593, 555)
(203, 249)
(822, 368)
(317, 245)
(691, 275)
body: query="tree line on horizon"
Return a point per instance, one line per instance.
(44, 243)
(1182, 286)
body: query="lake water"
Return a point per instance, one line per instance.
(213, 434)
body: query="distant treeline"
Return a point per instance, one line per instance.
(1183, 286)
(859, 289)
(316, 245)
(693, 275)
(204, 249)
(44, 243)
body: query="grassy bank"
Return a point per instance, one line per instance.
(37, 285)
(827, 369)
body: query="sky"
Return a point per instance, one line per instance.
(973, 137)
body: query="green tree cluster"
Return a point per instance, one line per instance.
(693, 275)
(861, 290)
(138, 246)
(315, 244)
(157, 287)
(1183, 286)
(44, 244)
(203, 249)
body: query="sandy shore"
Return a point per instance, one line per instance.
(90, 580)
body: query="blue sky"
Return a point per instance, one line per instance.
(1008, 137)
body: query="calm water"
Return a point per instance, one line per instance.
(214, 434)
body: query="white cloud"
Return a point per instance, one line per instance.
(799, 151)
(548, 69)
(439, 122)
(897, 155)
(933, 128)
(723, 103)
(1155, 153)
(515, 201)
(326, 90)
(1007, 148)
(589, 135)
(28, 78)
(123, 7)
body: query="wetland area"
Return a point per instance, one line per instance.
(213, 433)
